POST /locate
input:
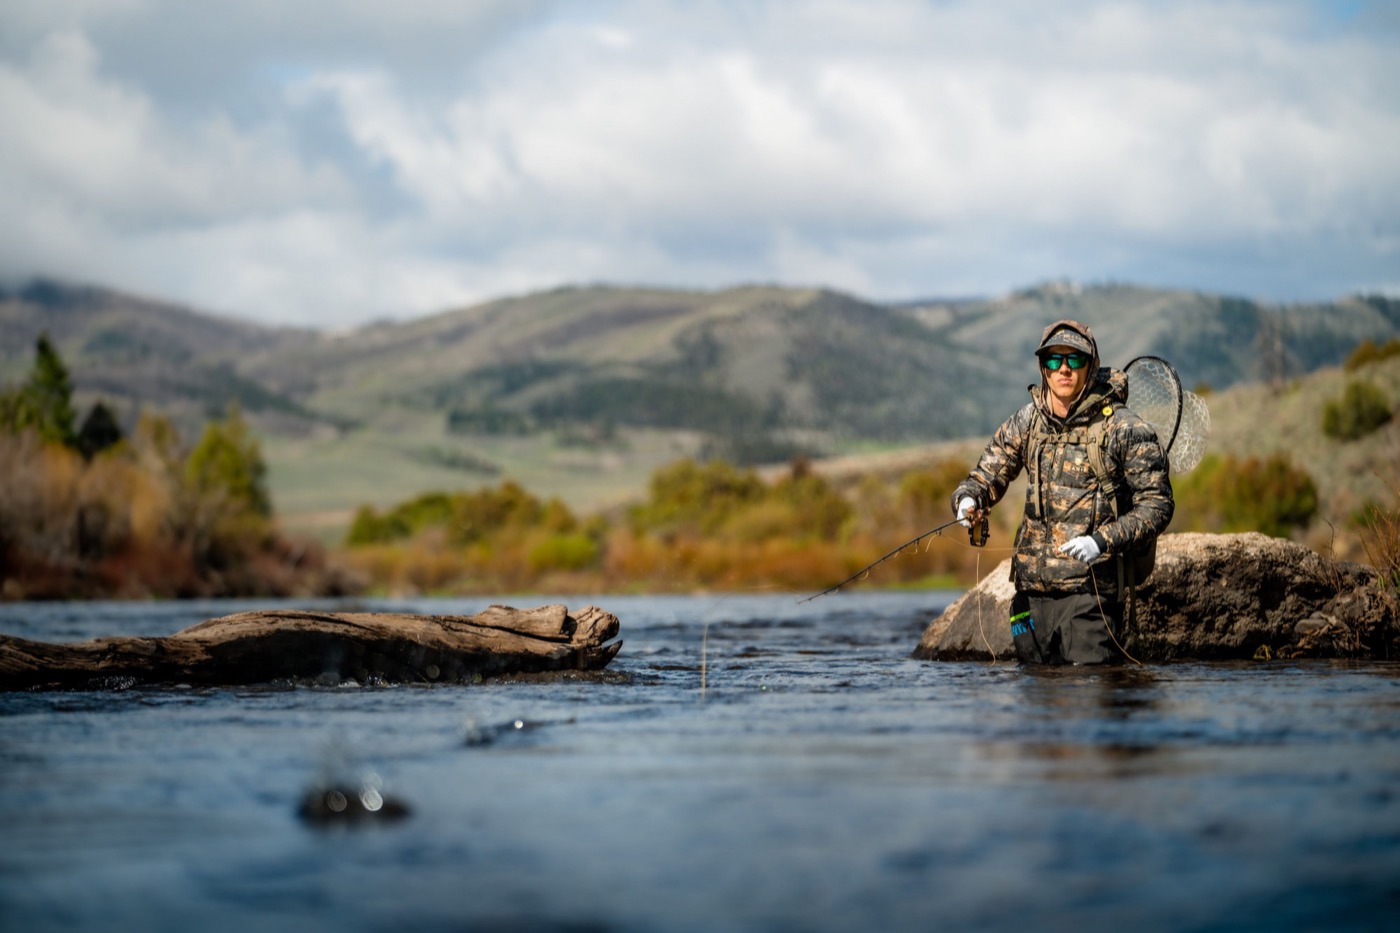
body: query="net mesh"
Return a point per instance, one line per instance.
(1180, 418)
(1191, 437)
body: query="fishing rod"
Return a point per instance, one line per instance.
(977, 534)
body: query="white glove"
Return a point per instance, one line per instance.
(1083, 548)
(966, 506)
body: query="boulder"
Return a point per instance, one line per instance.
(1211, 597)
(323, 647)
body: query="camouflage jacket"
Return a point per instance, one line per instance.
(1063, 498)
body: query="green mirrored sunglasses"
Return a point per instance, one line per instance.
(1052, 361)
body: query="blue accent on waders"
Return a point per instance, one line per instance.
(1020, 627)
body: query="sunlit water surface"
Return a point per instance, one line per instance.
(763, 765)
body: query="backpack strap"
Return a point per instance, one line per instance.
(1095, 444)
(1030, 454)
(1127, 567)
(1097, 441)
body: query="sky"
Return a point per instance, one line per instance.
(326, 164)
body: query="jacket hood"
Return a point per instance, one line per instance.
(1107, 385)
(1071, 333)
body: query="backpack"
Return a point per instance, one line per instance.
(1135, 565)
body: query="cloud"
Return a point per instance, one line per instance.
(330, 162)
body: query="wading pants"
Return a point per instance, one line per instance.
(1065, 629)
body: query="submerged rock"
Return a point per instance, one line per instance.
(347, 804)
(1211, 597)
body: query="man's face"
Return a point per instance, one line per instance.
(1066, 382)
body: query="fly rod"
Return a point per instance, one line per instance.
(972, 532)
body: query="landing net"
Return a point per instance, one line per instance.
(1180, 418)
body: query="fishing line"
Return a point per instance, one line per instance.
(926, 539)
(977, 581)
(1103, 617)
(704, 655)
(864, 572)
(1098, 599)
(708, 608)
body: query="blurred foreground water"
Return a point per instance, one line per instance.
(747, 763)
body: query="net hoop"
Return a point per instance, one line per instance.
(1156, 395)
(1141, 364)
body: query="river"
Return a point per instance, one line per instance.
(748, 764)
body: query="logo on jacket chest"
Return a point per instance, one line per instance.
(1070, 466)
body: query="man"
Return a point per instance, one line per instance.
(1097, 491)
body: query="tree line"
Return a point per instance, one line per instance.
(88, 510)
(713, 526)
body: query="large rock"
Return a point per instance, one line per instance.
(1211, 597)
(324, 647)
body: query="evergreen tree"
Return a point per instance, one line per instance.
(50, 392)
(17, 411)
(227, 464)
(100, 430)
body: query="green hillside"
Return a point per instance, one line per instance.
(582, 392)
(137, 353)
(1261, 420)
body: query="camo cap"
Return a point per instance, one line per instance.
(1068, 334)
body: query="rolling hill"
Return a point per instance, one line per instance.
(581, 392)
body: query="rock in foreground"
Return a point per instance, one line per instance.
(1211, 597)
(326, 647)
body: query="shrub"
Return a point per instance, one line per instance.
(477, 516)
(572, 551)
(926, 495)
(369, 527)
(1379, 527)
(1225, 494)
(1367, 352)
(704, 524)
(691, 497)
(429, 510)
(89, 513)
(1362, 409)
(227, 464)
(1381, 540)
(817, 510)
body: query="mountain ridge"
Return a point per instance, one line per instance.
(581, 391)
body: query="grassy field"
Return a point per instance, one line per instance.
(318, 482)
(1260, 420)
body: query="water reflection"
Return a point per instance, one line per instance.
(1117, 692)
(1077, 723)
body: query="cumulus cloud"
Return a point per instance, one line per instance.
(329, 162)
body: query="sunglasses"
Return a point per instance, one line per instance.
(1052, 361)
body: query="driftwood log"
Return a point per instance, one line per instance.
(324, 647)
(1210, 598)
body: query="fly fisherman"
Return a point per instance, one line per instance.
(1070, 589)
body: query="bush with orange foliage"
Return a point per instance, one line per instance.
(129, 523)
(703, 526)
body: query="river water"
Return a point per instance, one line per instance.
(748, 764)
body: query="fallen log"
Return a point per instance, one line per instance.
(1211, 598)
(325, 647)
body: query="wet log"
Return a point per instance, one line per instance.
(325, 647)
(1210, 598)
